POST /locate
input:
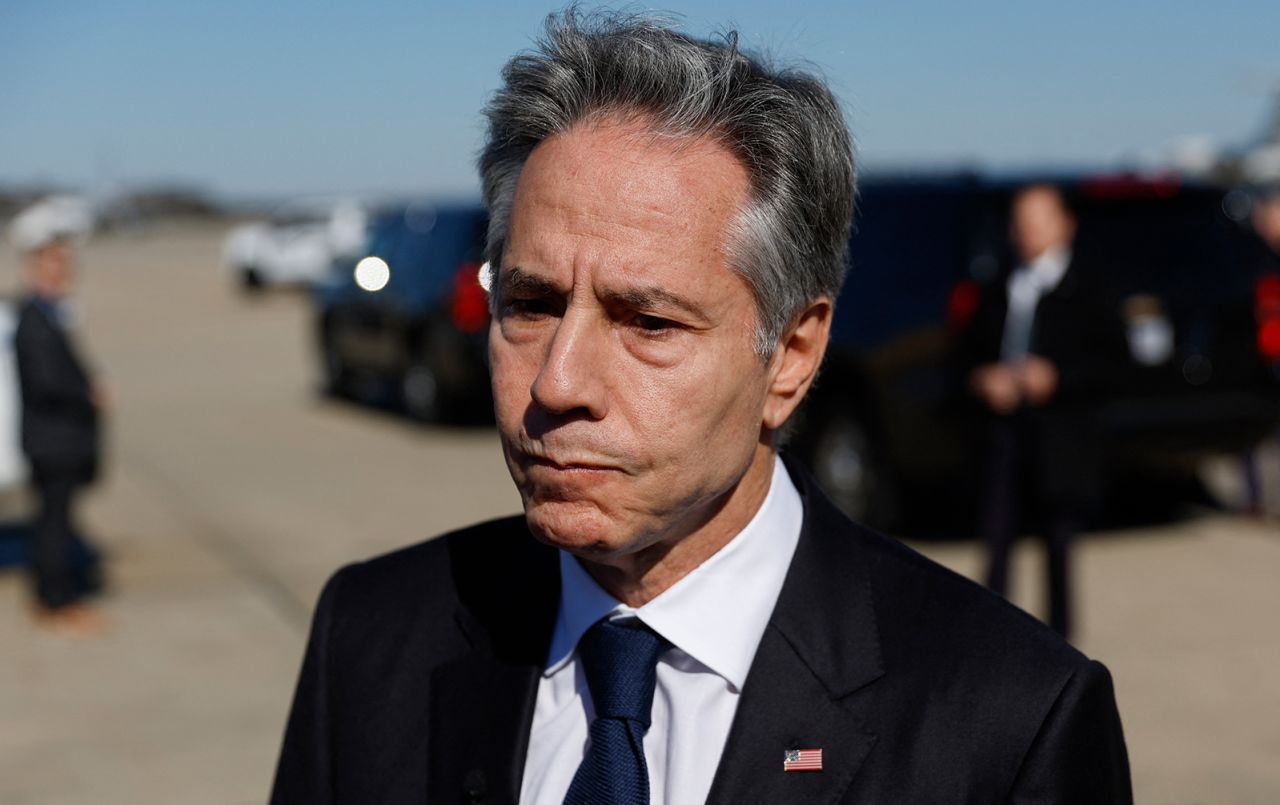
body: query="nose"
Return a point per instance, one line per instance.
(571, 378)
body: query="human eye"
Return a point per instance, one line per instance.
(528, 307)
(653, 324)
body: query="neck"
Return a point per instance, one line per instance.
(48, 294)
(638, 578)
(1055, 250)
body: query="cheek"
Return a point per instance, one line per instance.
(511, 374)
(702, 407)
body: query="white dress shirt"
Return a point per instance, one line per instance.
(1027, 284)
(714, 617)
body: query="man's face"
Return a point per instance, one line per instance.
(629, 396)
(52, 269)
(1039, 221)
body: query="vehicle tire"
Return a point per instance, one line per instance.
(251, 279)
(420, 392)
(334, 372)
(844, 462)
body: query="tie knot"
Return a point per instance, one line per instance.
(620, 659)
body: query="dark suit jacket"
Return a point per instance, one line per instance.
(919, 686)
(59, 420)
(1078, 327)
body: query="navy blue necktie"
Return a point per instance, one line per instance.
(620, 659)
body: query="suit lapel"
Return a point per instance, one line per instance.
(481, 711)
(482, 702)
(1055, 306)
(821, 646)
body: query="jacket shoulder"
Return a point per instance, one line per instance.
(927, 609)
(383, 628)
(28, 319)
(467, 585)
(394, 583)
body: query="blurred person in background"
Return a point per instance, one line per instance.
(1038, 345)
(1265, 219)
(61, 406)
(679, 616)
(1264, 260)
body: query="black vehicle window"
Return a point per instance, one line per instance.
(909, 247)
(1179, 248)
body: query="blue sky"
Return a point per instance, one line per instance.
(254, 98)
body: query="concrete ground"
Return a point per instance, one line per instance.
(234, 490)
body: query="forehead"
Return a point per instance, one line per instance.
(1040, 201)
(53, 253)
(616, 187)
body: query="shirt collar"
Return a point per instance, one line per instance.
(56, 309)
(1050, 266)
(705, 614)
(49, 305)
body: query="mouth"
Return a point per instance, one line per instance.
(572, 465)
(564, 463)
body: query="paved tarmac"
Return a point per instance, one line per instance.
(234, 490)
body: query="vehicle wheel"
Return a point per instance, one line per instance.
(846, 468)
(420, 392)
(251, 279)
(336, 376)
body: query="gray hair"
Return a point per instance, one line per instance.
(790, 242)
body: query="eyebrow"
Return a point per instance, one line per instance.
(649, 297)
(652, 297)
(517, 280)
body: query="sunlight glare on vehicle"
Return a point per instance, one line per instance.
(372, 273)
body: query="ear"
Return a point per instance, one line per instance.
(795, 362)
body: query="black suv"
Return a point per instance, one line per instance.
(407, 321)
(888, 429)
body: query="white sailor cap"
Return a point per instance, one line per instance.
(50, 219)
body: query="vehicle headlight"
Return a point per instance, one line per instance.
(372, 273)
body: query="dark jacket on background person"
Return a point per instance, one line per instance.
(423, 666)
(1077, 327)
(1261, 259)
(60, 434)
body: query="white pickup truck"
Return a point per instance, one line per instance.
(297, 245)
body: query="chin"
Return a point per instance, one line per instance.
(578, 527)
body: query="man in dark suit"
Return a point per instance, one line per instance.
(678, 617)
(1044, 339)
(60, 409)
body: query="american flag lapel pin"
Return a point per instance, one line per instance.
(802, 760)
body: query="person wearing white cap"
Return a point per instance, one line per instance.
(61, 406)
